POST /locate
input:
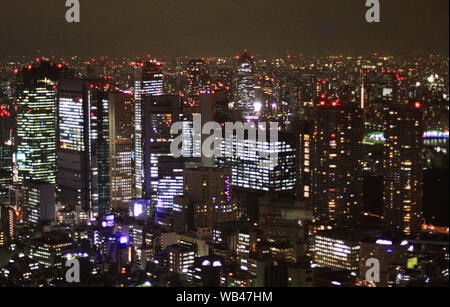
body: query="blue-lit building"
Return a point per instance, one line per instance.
(148, 82)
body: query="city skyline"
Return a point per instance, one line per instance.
(224, 144)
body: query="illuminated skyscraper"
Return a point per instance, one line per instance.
(254, 171)
(121, 127)
(335, 161)
(246, 83)
(303, 132)
(6, 148)
(7, 223)
(83, 145)
(148, 81)
(403, 190)
(36, 122)
(197, 80)
(163, 174)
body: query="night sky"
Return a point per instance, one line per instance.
(223, 27)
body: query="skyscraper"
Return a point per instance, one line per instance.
(197, 80)
(36, 121)
(246, 83)
(121, 127)
(255, 170)
(83, 145)
(6, 148)
(403, 168)
(148, 81)
(163, 174)
(302, 129)
(7, 222)
(335, 160)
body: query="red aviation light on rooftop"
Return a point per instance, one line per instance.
(322, 103)
(417, 104)
(38, 60)
(59, 65)
(16, 71)
(333, 135)
(30, 67)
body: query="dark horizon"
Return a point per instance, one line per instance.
(203, 28)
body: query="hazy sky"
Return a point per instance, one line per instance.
(223, 27)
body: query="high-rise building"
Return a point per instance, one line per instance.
(335, 161)
(121, 127)
(7, 223)
(302, 129)
(403, 188)
(83, 145)
(36, 121)
(6, 149)
(246, 83)
(38, 203)
(207, 198)
(197, 80)
(163, 173)
(254, 170)
(148, 81)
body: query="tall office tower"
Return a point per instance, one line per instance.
(6, 148)
(246, 83)
(403, 168)
(148, 81)
(197, 75)
(303, 131)
(7, 222)
(207, 104)
(38, 203)
(36, 121)
(121, 128)
(207, 195)
(163, 177)
(254, 171)
(83, 146)
(335, 161)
